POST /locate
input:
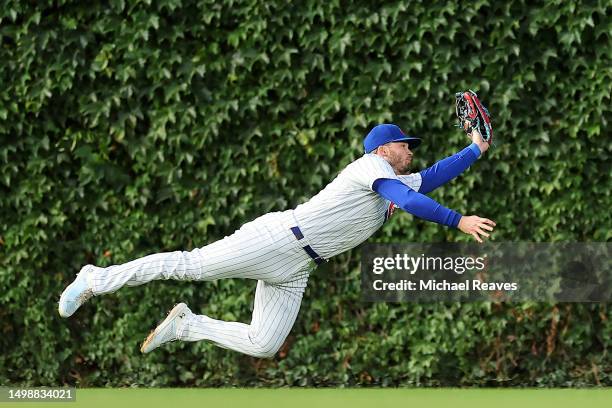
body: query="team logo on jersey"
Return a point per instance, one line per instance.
(390, 210)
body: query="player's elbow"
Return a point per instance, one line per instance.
(409, 202)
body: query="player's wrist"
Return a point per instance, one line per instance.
(455, 219)
(460, 224)
(475, 147)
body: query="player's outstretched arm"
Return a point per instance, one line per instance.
(428, 209)
(476, 226)
(447, 169)
(416, 203)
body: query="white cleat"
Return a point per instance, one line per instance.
(77, 293)
(167, 330)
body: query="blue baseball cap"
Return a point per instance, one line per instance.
(387, 133)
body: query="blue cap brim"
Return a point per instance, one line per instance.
(412, 141)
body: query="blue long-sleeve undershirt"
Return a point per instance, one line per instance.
(415, 203)
(447, 169)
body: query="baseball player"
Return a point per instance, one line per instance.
(280, 249)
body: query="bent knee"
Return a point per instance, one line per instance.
(264, 353)
(266, 349)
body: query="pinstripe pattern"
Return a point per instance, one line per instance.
(276, 308)
(263, 249)
(347, 211)
(411, 180)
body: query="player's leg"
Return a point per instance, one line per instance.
(274, 313)
(225, 258)
(254, 251)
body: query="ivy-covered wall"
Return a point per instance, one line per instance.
(133, 127)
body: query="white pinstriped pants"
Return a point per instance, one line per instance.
(263, 249)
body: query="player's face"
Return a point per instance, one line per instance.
(400, 156)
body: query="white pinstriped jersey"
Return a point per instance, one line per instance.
(347, 211)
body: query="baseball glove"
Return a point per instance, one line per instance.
(473, 115)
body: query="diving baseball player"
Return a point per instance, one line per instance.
(280, 249)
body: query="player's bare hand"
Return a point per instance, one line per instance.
(477, 138)
(476, 226)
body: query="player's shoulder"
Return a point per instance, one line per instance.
(369, 161)
(366, 169)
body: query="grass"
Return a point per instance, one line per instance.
(337, 398)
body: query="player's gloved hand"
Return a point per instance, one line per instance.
(475, 226)
(477, 138)
(472, 116)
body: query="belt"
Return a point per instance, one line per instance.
(311, 252)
